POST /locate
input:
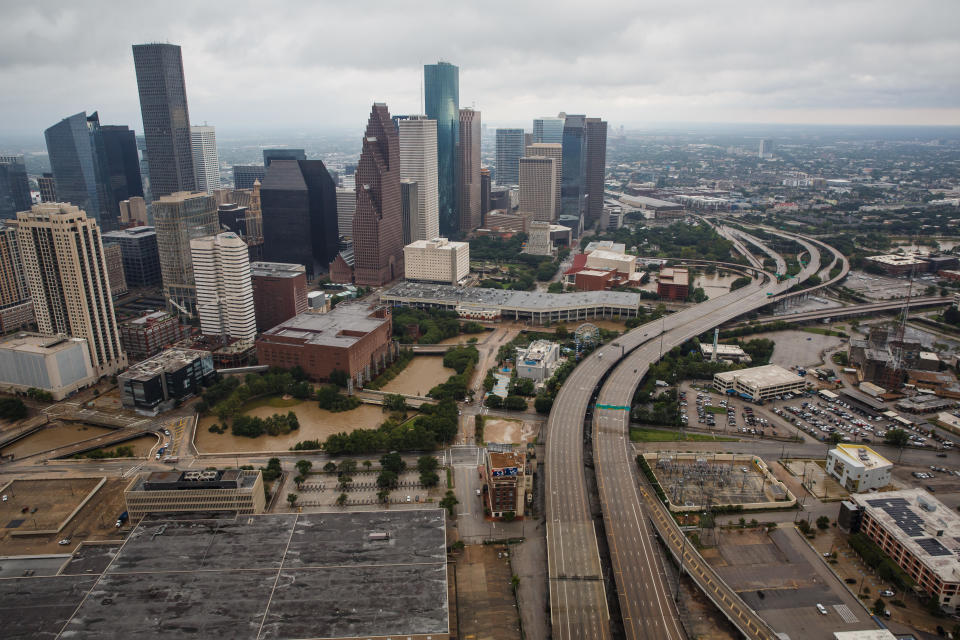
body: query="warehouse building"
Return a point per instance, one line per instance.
(858, 468)
(233, 490)
(158, 383)
(57, 364)
(759, 383)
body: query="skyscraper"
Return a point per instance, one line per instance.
(377, 232)
(538, 188)
(48, 188)
(299, 203)
(572, 188)
(594, 169)
(409, 206)
(123, 162)
(166, 118)
(178, 218)
(548, 129)
(16, 310)
(468, 179)
(14, 186)
(66, 271)
(244, 175)
(221, 268)
(346, 205)
(554, 151)
(80, 169)
(141, 259)
(441, 88)
(418, 162)
(485, 187)
(509, 151)
(206, 162)
(282, 154)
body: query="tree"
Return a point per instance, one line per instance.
(395, 402)
(383, 495)
(804, 527)
(823, 523)
(429, 478)
(515, 403)
(339, 377)
(12, 409)
(493, 402)
(292, 499)
(330, 467)
(555, 287)
(367, 464)
(299, 481)
(341, 500)
(543, 404)
(835, 438)
(393, 462)
(387, 479)
(897, 438)
(522, 387)
(426, 464)
(878, 607)
(304, 466)
(347, 466)
(448, 502)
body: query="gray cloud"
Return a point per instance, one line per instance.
(320, 64)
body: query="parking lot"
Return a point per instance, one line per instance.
(724, 415)
(323, 490)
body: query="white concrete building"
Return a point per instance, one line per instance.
(57, 364)
(418, 161)
(437, 260)
(346, 206)
(206, 162)
(760, 383)
(221, 267)
(538, 361)
(727, 352)
(619, 261)
(538, 188)
(858, 468)
(554, 151)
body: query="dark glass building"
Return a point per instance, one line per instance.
(80, 169)
(441, 88)
(282, 154)
(594, 169)
(48, 188)
(298, 200)
(244, 175)
(141, 258)
(510, 148)
(572, 187)
(123, 162)
(166, 118)
(14, 186)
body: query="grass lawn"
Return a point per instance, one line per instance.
(712, 409)
(661, 435)
(276, 402)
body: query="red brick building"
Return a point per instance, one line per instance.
(279, 292)
(148, 335)
(673, 284)
(352, 337)
(506, 483)
(594, 279)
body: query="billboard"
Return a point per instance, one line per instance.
(504, 472)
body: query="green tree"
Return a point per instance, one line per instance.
(896, 438)
(394, 462)
(555, 287)
(347, 466)
(382, 495)
(12, 409)
(493, 402)
(515, 403)
(395, 402)
(835, 437)
(804, 527)
(429, 478)
(304, 466)
(387, 479)
(292, 499)
(330, 467)
(426, 464)
(823, 523)
(878, 607)
(367, 464)
(341, 500)
(448, 502)
(543, 404)
(339, 377)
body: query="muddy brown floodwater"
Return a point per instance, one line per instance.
(422, 374)
(57, 435)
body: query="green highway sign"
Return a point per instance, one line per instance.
(613, 407)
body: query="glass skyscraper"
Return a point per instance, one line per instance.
(123, 161)
(573, 188)
(14, 186)
(549, 130)
(441, 88)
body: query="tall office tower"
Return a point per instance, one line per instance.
(245, 175)
(441, 88)
(80, 170)
(221, 268)
(133, 212)
(554, 151)
(595, 168)
(116, 277)
(538, 188)
(14, 186)
(484, 192)
(299, 202)
(409, 207)
(144, 169)
(16, 309)
(766, 149)
(468, 167)
(572, 186)
(253, 223)
(509, 151)
(377, 222)
(549, 130)
(418, 162)
(63, 258)
(166, 118)
(141, 258)
(206, 162)
(123, 162)
(178, 218)
(48, 188)
(346, 205)
(282, 154)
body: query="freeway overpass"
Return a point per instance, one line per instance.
(852, 310)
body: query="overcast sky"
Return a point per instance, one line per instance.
(317, 65)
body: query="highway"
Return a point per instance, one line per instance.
(852, 310)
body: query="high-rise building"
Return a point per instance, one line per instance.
(113, 255)
(485, 187)
(554, 151)
(766, 149)
(133, 211)
(468, 167)
(16, 310)
(221, 268)
(166, 117)
(282, 154)
(377, 232)
(346, 205)
(509, 151)
(14, 186)
(48, 188)
(206, 162)
(418, 162)
(141, 258)
(244, 175)
(441, 88)
(538, 188)
(123, 162)
(254, 223)
(572, 188)
(80, 170)
(595, 168)
(66, 270)
(279, 292)
(436, 260)
(178, 218)
(409, 207)
(299, 203)
(549, 130)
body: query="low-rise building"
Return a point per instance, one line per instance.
(759, 383)
(149, 334)
(436, 260)
(158, 383)
(673, 283)
(724, 352)
(920, 534)
(858, 468)
(57, 364)
(605, 259)
(895, 264)
(506, 483)
(538, 360)
(235, 490)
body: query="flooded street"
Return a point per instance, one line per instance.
(56, 435)
(714, 284)
(422, 374)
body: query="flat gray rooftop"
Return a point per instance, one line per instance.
(329, 328)
(271, 576)
(508, 300)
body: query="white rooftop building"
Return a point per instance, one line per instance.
(729, 352)
(221, 268)
(858, 468)
(759, 383)
(538, 360)
(436, 260)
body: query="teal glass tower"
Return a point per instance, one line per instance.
(441, 89)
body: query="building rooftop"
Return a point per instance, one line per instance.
(170, 360)
(861, 456)
(537, 351)
(194, 479)
(765, 376)
(605, 245)
(674, 275)
(502, 460)
(896, 260)
(150, 318)
(436, 243)
(644, 202)
(922, 524)
(604, 254)
(508, 300)
(278, 576)
(342, 326)
(132, 232)
(39, 343)
(276, 270)
(722, 349)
